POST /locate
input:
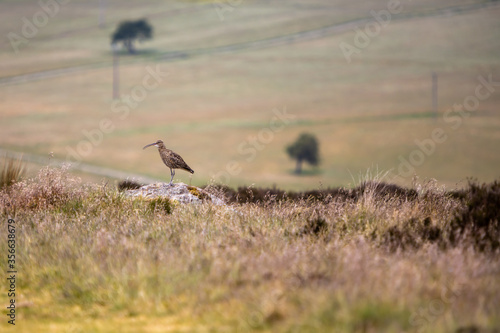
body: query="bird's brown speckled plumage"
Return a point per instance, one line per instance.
(170, 158)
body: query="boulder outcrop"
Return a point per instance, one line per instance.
(179, 192)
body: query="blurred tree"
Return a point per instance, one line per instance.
(306, 148)
(128, 31)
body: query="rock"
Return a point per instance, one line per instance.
(179, 192)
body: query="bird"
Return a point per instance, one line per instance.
(170, 158)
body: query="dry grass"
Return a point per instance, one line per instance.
(12, 171)
(89, 252)
(50, 188)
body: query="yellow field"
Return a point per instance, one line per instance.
(216, 104)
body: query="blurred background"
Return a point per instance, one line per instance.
(387, 88)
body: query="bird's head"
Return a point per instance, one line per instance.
(157, 144)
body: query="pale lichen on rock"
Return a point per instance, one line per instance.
(179, 192)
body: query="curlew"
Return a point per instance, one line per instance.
(171, 159)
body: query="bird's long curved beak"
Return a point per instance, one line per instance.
(152, 144)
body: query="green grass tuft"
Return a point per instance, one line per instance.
(160, 204)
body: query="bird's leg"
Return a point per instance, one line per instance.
(172, 173)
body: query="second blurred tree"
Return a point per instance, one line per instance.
(306, 148)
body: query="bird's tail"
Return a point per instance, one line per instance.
(189, 169)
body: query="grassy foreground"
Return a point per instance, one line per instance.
(378, 258)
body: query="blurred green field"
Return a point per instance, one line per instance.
(366, 113)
